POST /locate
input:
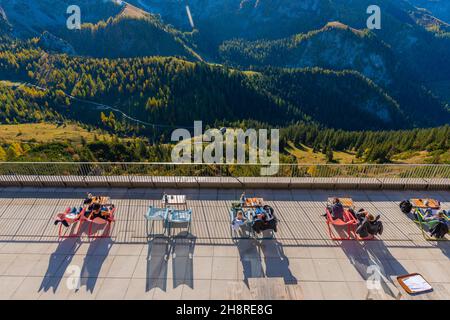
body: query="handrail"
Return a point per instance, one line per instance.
(106, 169)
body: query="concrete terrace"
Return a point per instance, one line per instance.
(301, 263)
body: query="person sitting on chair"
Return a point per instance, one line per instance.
(88, 200)
(440, 229)
(72, 215)
(360, 215)
(239, 220)
(242, 199)
(336, 209)
(370, 225)
(96, 210)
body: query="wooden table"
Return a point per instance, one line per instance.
(346, 202)
(253, 202)
(175, 200)
(420, 203)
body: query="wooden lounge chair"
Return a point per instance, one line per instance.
(99, 222)
(71, 220)
(348, 222)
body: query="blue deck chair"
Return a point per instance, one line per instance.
(244, 231)
(177, 217)
(156, 214)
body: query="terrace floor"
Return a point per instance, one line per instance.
(301, 263)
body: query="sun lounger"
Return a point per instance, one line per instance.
(156, 214)
(242, 230)
(71, 218)
(179, 217)
(348, 223)
(426, 223)
(98, 221)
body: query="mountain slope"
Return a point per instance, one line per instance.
(125, 36)
(173, 91)
(336, 46)
(438, 8)
(31, 18)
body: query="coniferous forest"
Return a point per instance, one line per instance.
(136, 76)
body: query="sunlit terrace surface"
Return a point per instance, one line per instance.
(300, 263)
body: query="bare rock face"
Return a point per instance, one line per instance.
(5, 26)
(30, 18)
(438, 8)
(53, 43)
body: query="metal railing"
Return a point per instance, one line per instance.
(133, 169)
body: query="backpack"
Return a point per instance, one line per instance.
(406, 206)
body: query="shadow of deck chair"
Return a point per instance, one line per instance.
(348, 223)
(74, 222)
(420, 219)
(101, 222)
(178, 217)
(156, 214)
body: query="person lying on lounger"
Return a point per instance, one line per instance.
(370, 225)
(239, 220)
(96, 210)
(264, 219)
(360, 215)
(73, 214)
(432, 214)
(242, 199)
(336, 209)
(440, 229)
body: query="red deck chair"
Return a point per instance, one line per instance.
(348, 222)
(70, 220)
(100, 221)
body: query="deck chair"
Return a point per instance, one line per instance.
(426, 225)
(68, 216)
(244, 230)
(156, 214)
(179, 217)
(99, 222)
(268, 232)
(348, 222)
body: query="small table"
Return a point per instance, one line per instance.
(253, 202)
(346, 202)
(175, 201)
(420, 203)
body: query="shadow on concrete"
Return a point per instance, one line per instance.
(277, 263)
(445, 247)
(58, 263)
(183, 261)
(251, 260)
(93, 261)
(372, 258)
(181, 250)
(157, 262)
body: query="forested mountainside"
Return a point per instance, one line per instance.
(174, 91)
(142, 69)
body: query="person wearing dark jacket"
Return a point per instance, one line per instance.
(440, 229)
(370, 226)
(336, 209)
